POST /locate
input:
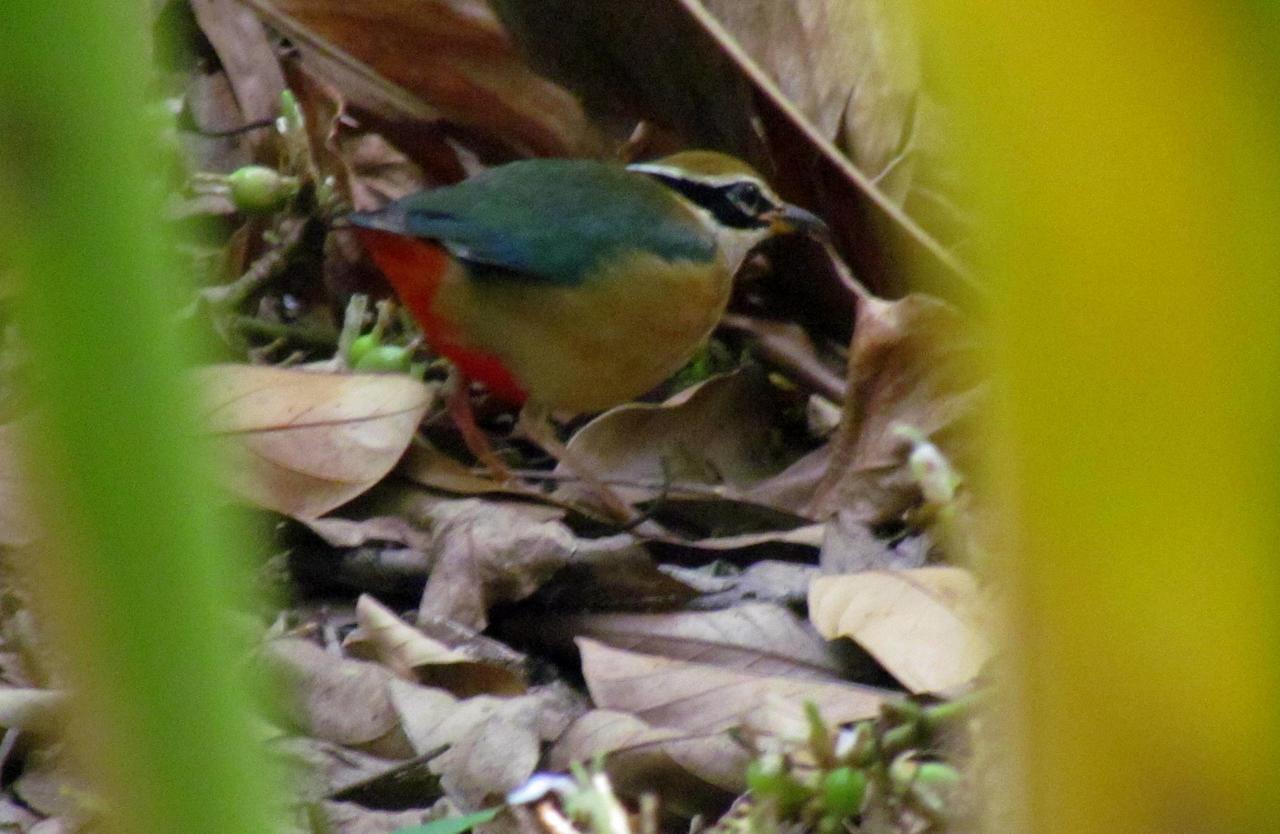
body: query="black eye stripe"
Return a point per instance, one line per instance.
(736, 204)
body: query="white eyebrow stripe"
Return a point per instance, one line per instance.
(714, 181)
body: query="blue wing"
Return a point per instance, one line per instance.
(548, 220)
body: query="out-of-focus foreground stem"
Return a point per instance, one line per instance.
(132, 576)
(1126, 155)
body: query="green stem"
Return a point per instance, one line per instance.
(134, 574)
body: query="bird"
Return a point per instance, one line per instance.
(569, 286)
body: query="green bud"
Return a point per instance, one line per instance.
(257, 188)
(843, 791)
(384, 359)
(770, 780)
(360, 346)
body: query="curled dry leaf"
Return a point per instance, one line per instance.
(911, 362)
(922, 625)
(714, 433)
(759, 638)
(692, 773)
(490, 552)
(303, 443)
(698, 698)
(413, 655)
(16, 526)
(494, 743)
(336, 699)
(426, 60)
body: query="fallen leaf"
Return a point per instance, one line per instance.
(698, 698)
(912, 362)
(759, 638)
(850, 546)
(922, 625)
(247, 57)
(850, 66)
(715, 433)
(413, 655)
(692, 774)
(766, 580)
(322, 769)
(16, 526)
(426, 60)
(302, 443)
(335, 699)
(494, 743)
(490, 552)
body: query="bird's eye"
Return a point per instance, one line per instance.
(748, 197)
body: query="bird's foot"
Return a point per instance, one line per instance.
(458, 402)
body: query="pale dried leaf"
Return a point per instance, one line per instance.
(302, 443)
(760, 638)
(715, 433)
(698, 698)
(494, 743)
(435, 59)
(413, 655)
(922, 625)
(692, 773)
(336, 699)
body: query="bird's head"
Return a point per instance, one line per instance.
(732, 199)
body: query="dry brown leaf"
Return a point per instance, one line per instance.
(425, 60)
(335, 699)
(413, 655)
(922, 625)
(759, 638)
(715, 433)
(16, 526)
(850, 66)
(698, 698)
(490, 552)
(246, 55)
(303, 443)
(494, 743)
(911, 362)
(692, 774)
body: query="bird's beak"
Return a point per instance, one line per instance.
(792, 219)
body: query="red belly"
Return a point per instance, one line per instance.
(415, 268)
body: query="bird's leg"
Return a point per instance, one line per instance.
(534, 424)
(458, 402)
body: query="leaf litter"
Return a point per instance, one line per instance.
(439, 636)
